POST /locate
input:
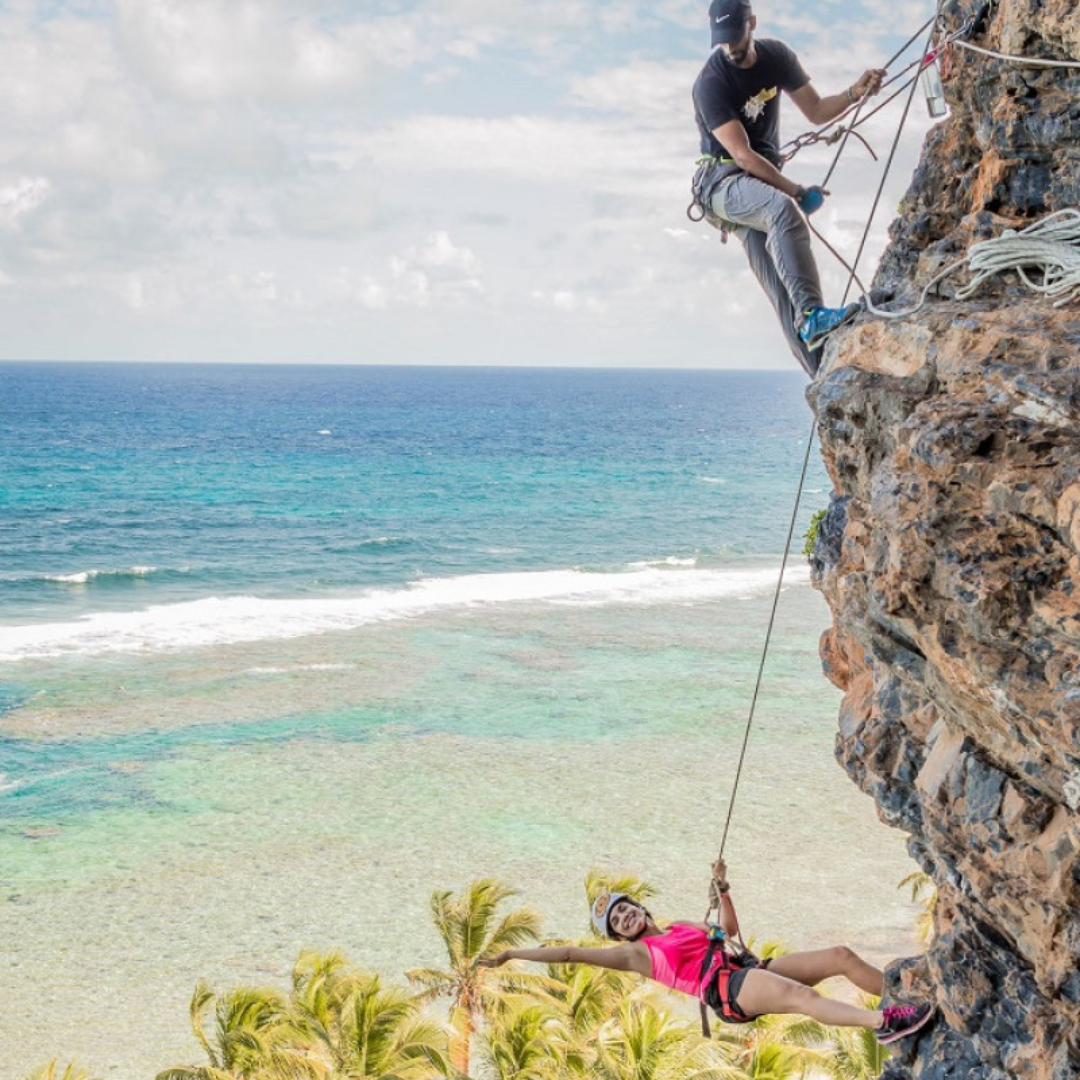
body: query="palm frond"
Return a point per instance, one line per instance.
(432, 982)
(72, 1071)
(516, 928)
(598, 881)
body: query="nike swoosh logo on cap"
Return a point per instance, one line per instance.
(721, 18)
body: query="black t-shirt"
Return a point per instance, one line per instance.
(725, 92)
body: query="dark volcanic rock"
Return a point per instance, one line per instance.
(949, 558)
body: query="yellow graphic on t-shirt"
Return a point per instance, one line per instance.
(755, 106)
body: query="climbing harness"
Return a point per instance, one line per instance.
(719, 964)
(702, 185)
(705, 165)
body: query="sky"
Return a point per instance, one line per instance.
(399, 181)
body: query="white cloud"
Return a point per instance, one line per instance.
(20, 197)
(221, 50)
(184, 173)
(440, 251)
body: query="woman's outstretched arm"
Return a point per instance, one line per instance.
(632, 956)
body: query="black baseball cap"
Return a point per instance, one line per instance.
(727, 20)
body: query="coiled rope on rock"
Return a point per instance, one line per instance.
(1049, 248)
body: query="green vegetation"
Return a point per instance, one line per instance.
(923, 893)
(337, 1022)
(812, 533)
(71, 1071)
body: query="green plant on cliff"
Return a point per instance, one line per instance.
(472, 928)
(812, 533)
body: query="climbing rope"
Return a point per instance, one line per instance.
(813, 430)
(823, 134)
(768, 636)
(927, 48)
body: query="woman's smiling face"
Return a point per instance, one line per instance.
(626, 919)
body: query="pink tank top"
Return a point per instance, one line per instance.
(677, 955)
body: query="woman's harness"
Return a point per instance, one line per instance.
(717, 968)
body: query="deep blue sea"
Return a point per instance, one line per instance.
(165, 483)
(285, 649)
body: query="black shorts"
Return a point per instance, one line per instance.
(735, 985)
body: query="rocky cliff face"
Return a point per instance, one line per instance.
(949, 558)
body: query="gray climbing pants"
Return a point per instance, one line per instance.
(777, 243)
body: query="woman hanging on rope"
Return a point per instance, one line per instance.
(711, 964)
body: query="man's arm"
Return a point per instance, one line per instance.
(820, 110)
(732, 136)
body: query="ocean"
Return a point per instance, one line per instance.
(285, 649)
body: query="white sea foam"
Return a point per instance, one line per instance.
(83, 577)
(298, 667)
(224, 620)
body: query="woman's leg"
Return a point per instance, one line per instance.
(813, 967)
(766, 992)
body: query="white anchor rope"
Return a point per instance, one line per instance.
(1028, 61)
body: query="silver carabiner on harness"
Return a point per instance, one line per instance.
(696, 210)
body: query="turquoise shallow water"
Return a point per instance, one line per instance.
(227, 734)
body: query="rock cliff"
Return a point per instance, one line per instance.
(949, 558)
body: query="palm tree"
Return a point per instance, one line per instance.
(854, 1052)
(588, 995)
(356, 1028)
(644, 1042)
(321, 986)
(252, 1032)
(924, 893)
(777, 1047)
(72, 1071)
(471, 928)
(529, 1042)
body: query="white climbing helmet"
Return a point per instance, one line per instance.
(601, 908)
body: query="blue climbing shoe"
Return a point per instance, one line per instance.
(820, 322)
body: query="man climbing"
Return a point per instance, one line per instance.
(737, 105)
